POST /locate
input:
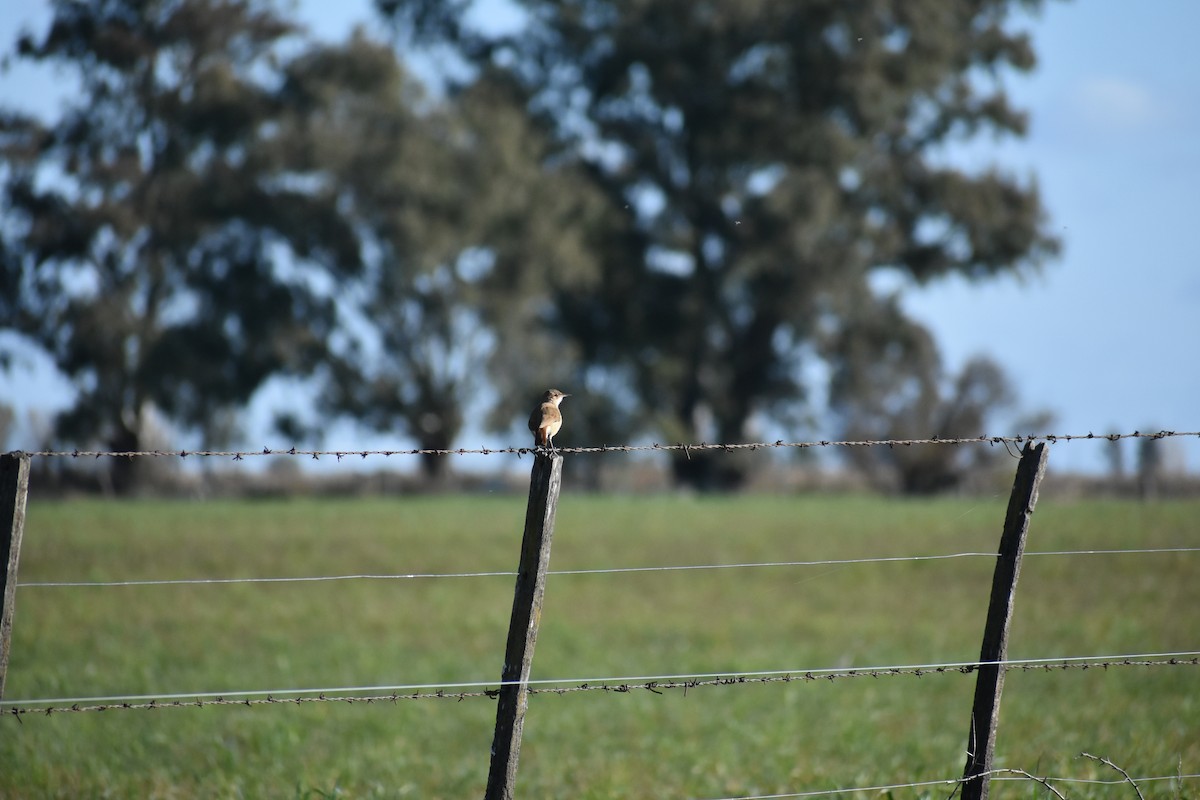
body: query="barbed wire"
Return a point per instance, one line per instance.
(1000, 774)
(596, 571)
(656, 684)
(238, 455)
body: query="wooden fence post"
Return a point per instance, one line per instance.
(544, 484)
(14, 486)
(985, 712)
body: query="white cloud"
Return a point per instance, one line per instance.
(1116, 103)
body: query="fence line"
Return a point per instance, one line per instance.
(1004, 774)
(562, 686)
(992, 662)
(597, 571)
(238, 455)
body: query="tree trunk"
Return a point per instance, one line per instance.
(435, 468)
(712, 470)
(123, 472)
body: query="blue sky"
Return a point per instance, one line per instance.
(1105, 337)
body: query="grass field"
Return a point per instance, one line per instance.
(710, 743)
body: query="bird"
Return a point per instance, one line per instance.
(546, 419)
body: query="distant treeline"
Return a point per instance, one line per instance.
(699, 219)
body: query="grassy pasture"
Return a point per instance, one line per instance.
(709, 743)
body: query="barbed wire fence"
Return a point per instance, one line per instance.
(655, 684)
(239, 455)
(515, 686)
(1002, 774)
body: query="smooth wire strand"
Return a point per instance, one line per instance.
(598, 571)
(238, 455)
(453, 689)
(997, 774)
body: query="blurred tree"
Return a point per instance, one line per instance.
(144, 228)
(1149, 467)
(759, 161)
(541, 225)
(1116, 462)
(888, 383)
(8, 420)
(461, 231)
(398, 360)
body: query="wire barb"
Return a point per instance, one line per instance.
(688, 449)
(655, 684)
(1000, 774)
(1124, 774)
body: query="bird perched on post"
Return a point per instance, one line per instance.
(546, 419)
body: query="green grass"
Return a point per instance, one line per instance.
(711, 742)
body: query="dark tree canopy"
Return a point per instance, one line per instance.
(669, 209)
(143, 226)
(888, 383)
(457, 223)
(354, 119)
(760, 160)
(226, 202)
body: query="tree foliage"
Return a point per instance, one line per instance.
(461, 231)
(227, 202)
(670, 209)
(143, 227)
(760, 161)
(398, 361)
(888, 382)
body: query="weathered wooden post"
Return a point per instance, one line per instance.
(14, 486)
(985, 712)
(544, 485)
